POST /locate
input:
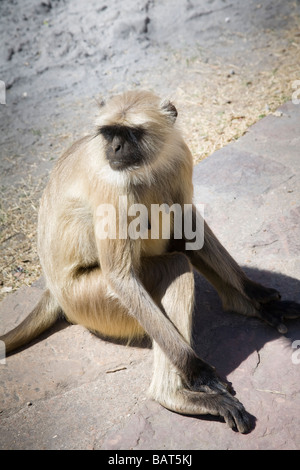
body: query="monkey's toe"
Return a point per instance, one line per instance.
(275, 312)
(260, 293)
(235, 415)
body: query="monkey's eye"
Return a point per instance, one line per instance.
(130, 134)
(107, 132)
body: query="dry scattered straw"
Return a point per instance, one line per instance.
(18, 217)
(219, 108)
(215, 109)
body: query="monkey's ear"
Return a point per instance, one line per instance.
(169, 110)
(100, 102)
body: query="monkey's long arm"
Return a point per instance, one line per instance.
(122, 277)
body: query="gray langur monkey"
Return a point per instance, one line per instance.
(125, 288)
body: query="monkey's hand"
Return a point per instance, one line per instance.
(276, 311)
(208, 394)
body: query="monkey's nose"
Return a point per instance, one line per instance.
(116, 144)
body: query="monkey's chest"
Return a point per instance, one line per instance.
(159, 228)
(156, 216)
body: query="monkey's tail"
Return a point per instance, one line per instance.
(44, 315)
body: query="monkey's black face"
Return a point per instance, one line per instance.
(124, 146)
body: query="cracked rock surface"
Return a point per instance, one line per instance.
(71, 390)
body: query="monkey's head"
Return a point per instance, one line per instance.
(134, 128)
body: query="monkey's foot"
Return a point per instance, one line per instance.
(210, 402)
(207, 395)
(264, 303)
(275, 312)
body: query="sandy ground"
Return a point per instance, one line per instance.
(225, 64)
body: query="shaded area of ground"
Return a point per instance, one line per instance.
(71, 390)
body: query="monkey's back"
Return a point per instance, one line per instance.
(66, 238)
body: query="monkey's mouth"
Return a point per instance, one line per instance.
(120, 165)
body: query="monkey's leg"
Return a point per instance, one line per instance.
(237, 292)
(88, 301)
(218, 266)
(172, 286)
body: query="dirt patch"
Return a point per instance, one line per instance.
(225, 64)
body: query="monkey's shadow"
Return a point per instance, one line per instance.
(226, 339)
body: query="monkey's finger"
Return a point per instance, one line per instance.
(274, 313)
(281, 328)
(274, 320)
(216, 385)
(229, 419)
(242, 420)
(271, 295)
(289, 309)
(236, 416)
(225, 385)
(260, 293)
